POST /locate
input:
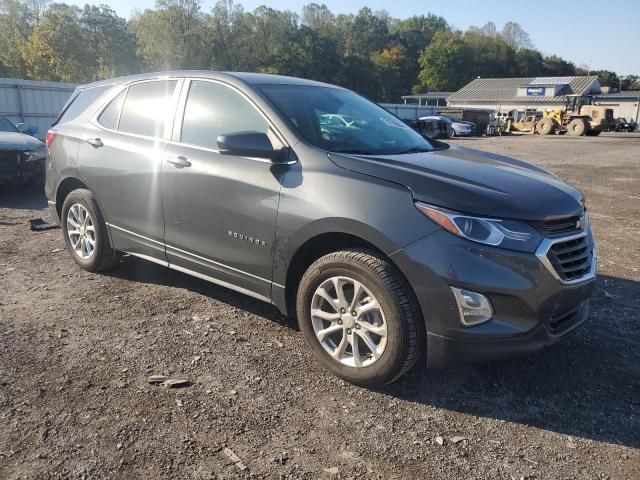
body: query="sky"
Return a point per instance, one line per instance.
(586, 32)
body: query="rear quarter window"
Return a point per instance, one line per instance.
(110, 115)
(80, 102)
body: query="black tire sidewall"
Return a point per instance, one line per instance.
(85, 198)
(386, 367)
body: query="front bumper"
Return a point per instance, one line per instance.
(532, 307)
(15, 168)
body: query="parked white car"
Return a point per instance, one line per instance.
(459, 128)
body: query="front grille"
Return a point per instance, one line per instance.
(9, 163)
(571, 259)
(560, 226)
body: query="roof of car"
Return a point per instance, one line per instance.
(245, 77)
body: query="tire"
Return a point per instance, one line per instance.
(102, 255)
(577, 127)
(397, 316)
(545, 126)
(593, 133)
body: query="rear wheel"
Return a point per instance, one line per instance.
(85, 232)
(359, 317)
(594, 133)
(545, 126)
(577, 127)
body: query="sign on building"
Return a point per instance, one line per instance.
(535, 91)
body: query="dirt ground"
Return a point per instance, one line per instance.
(76, 350)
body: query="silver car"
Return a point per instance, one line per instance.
(459, 128)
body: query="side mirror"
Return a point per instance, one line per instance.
(249, 144)
(22, 127)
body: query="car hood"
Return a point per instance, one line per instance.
(18, 141)
(472, 181)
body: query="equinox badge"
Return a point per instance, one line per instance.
(247, 238)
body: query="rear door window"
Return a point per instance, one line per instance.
(110, 115)
(148, 108)
(212, 110)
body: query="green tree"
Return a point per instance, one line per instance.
(554, 65)
(489, 56)
(318, 18)
(173, 36)
(414, 34)
(112, 44)
(17, 20)
(515, 36)
(607, 78)
(444, 63)
(630, 82)
(529, 63)
(228, 33)
(56, 48)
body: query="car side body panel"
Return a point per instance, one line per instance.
(319, 197)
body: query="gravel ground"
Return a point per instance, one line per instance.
(76, 350)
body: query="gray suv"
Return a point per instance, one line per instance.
(382, 243)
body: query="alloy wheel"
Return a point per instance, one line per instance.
(81, 231)
(349, 322)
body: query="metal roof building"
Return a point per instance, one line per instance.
(625, 104)
(529, 93)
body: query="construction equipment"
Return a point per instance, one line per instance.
(579, 117)
(527, 123)
(498, 124)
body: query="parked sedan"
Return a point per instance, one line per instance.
(22, 156)
(432, 127)
(459, 128)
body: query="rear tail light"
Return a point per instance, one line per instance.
(49, 138)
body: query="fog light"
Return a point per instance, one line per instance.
(474, 308)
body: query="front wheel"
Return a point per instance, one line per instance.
(85, 232)
(359, 317)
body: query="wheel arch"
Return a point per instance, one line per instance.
(315, 247)
(66, 186)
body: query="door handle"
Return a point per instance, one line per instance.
(95, 142)
(179, 161)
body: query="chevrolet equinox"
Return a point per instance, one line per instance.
(382, 243)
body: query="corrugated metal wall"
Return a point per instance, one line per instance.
(35, 103)
(628, 109)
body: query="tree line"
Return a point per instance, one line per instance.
(371, 52)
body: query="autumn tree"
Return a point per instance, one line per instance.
(56, 48)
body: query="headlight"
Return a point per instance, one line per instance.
(511, 234)
(32, 156)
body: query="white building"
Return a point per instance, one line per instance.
(625, 104)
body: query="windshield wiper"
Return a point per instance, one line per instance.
(414, 150)
(354, 152)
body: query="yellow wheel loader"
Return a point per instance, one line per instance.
(579, 117)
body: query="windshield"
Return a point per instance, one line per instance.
(341, 121)
(6, 125)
